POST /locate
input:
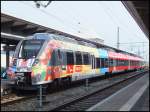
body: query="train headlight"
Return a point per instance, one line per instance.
(36, 61)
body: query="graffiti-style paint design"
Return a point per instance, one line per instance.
(78, 68)
(70, 69)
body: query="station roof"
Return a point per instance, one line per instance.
(139, 10)
(14, 29)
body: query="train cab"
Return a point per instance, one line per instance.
(27, 67)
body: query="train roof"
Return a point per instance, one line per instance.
(82, 41)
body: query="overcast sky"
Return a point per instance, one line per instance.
(93, 19)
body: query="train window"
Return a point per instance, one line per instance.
(111, 63)
(78, 58)
(124, 62)
(86, 59)
(97, 62)
(30, 48)
(59, 55)
(120, 62)
(131, 63)
(104, 62)
(57, 58)
(70, 58)
(89, 58)
(52, 62)
(127, 62)
(116, 62)
(62, 57)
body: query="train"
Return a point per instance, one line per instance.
(45, 58)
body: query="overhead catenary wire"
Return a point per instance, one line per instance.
(77, 21)
(88, 24)
(118, 22)
(75, 27)
(124, 26)
(72, 26)
(53, 16)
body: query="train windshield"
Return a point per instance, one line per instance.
(30, 48)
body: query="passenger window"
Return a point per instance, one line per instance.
(97, 62)
(102, 63)
(62, 57)
(86, 59)
(52, 62)
(78, 58)
(64, 60)
(106, 62)
(70, 58)
(59, 55)
(111, 63)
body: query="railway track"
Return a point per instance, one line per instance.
(86, 101)
(20, 99)
(11, 95)
(13, 98)
(10, 98)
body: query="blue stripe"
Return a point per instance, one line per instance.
(103, 53)
(104, 70)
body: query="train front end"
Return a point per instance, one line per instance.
(29, 63)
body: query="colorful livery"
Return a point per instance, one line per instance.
(44, 58)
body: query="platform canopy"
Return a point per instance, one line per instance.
(139, 10)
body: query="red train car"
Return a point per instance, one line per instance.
(121, 62)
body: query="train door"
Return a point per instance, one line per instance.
(56, 63)
(59, 66)
(129, 65)
(115, 64)
(93, 63)
(62, 61)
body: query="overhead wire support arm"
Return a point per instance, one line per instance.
(39, 4)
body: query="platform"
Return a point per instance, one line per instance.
(143, 102)
(127, 98)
